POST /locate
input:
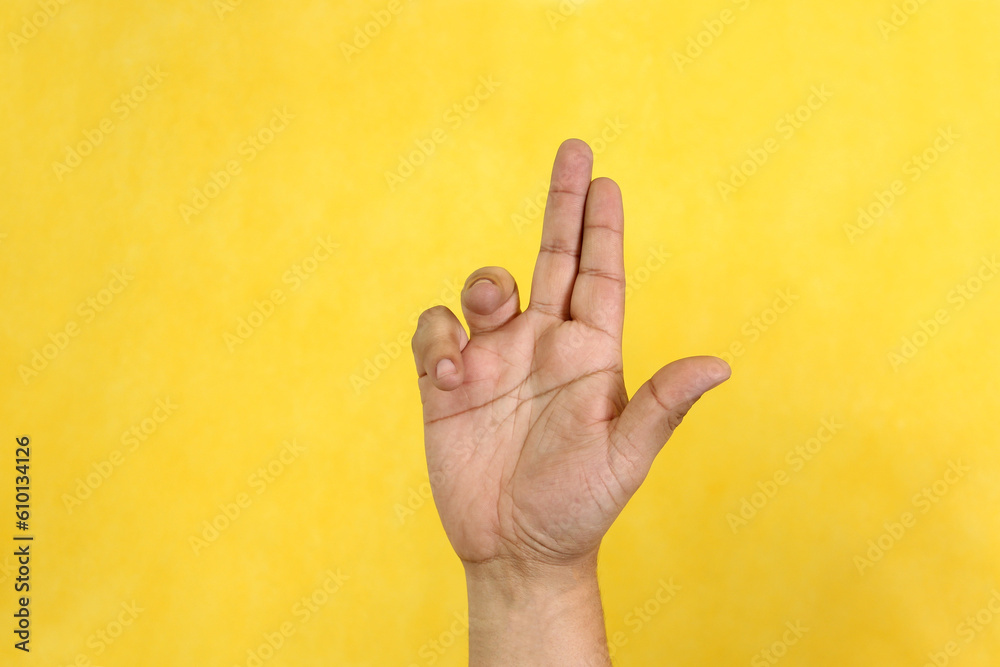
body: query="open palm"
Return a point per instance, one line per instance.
(532, 444)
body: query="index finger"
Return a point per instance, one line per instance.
(562, 230)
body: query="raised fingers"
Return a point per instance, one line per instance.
(489, 299)
(599, 291)
(437, 347)
(562, 230)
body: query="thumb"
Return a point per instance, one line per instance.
(660, 404)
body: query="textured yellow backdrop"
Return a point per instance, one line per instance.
(220, 220)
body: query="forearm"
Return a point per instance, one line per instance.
(550, 616)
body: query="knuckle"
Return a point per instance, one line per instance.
(674, 419)
(429, 316)
(438, 310)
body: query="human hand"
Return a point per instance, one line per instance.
(560, 448)
(533, 446)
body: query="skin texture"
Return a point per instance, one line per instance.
(533, 446)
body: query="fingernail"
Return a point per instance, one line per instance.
(481, 280)
(445, 367)
(724, 371)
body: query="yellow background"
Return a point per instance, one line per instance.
(330, 367)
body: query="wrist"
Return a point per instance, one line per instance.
(515, 581)
(530, 613)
